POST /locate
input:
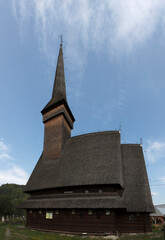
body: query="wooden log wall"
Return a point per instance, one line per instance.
(133, 222)
(98, 222)
(79, 222)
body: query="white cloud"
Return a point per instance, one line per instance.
(13, 174)
(10, 172)
(155, 150)
(90, 23)
(154, 193)
(4, 151)
(3, 146)
(113, 26)
(5, 156)
(135, 21)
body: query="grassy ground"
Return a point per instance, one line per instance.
(12, 231)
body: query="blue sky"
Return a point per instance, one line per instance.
(114, 56)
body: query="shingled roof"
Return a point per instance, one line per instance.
(87, 160)
(137, 193)
(96, 158)
(78, 202)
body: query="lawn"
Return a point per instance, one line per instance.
(18, 232)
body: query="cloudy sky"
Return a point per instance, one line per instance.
(114, 54)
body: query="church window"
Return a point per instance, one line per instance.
(73, 211)
(49, 214)
(89, 212)
(57, 211)
(107, 212)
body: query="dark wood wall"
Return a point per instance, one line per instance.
(106, 188)
(133, 222)
(82, 222)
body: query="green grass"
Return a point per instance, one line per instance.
(143, 237)
(2, 231)
(17, 233)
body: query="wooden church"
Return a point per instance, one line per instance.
(89, 183)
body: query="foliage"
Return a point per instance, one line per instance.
(11, 195)
(5, 206)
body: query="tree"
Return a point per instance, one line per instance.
(6, 207)
(11, 195)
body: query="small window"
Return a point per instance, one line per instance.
(157, 221)
(49, 214)
(73, 211)
(108, 212)
(86, 191)
(131, 217)
(153, 221)
(40, 211)
(81, 215)
(100, 191)
(57, 211)
(31, 211)
(89, 212)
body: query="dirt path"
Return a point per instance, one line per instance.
(7, 233)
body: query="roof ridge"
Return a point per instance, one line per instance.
(94, 133)
(131, 144)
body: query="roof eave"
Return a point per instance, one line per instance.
(56, 104)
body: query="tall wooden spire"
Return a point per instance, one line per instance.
(59, 89)
(57, 116)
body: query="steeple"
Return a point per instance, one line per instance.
(59, 89)
(57, 116)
